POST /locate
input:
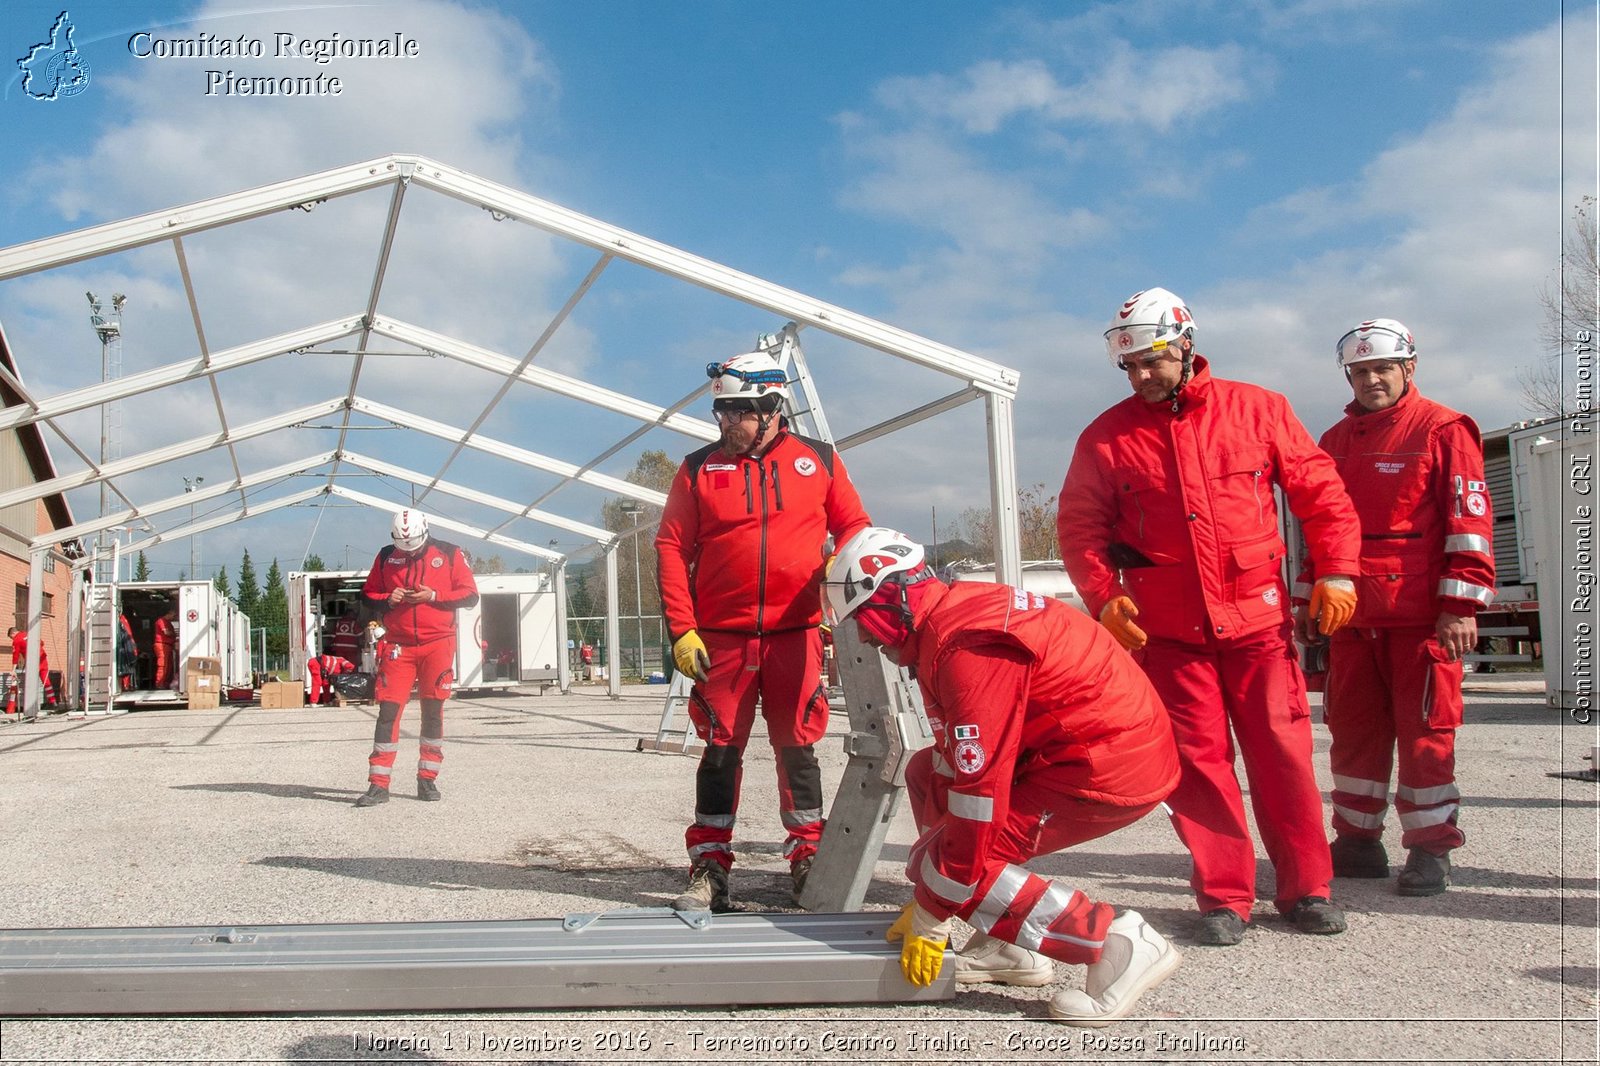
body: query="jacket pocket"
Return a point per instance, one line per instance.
(1441, 689)
(1140, 492)
(1396, 585)
(1256, 579)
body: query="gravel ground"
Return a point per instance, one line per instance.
(242, 816)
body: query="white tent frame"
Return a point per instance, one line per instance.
(996, 385)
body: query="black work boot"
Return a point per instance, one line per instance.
(1221, 928)
(1359, 857)
(708, 889)
(375, 795)
(798, 872)
(427, 790)
(1317, 915)
(1426, 874)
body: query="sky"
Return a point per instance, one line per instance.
(997, 178)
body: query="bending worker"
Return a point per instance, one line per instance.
(739, 559)
(1167, 516)
(1045, 735)
(1415, 471)
(418, 583)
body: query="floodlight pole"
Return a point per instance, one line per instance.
(109, 330)
(190, 484)
(638, 589)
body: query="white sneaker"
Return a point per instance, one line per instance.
(1135, 959)
(987, 960)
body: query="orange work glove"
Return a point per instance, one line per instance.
(1333, 602)
(1117, 616)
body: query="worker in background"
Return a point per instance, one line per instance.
(417, 583)
(740, 552)
(320, 672)
(1415, 471)
(1045, 734)
(19, 665)
(166, 649)
(127, 652)
(1169, 530)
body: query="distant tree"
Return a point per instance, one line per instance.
(273, 608)
(1571, 307)
(653, 470)
(249, 592)
(492, 564)
(313, 564)
(221, 582)
(141, 568)
(1036, 523)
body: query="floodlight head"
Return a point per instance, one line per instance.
(117, 300)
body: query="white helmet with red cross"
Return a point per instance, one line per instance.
(863, 565)
(409, 529)
(1148, 320)
(754, 379)
(1376, 338)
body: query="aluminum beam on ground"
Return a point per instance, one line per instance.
(561, 384)
(643, 958)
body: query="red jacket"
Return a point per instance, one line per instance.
(740, 545)
(440, 566)
(1415, 472)
(1013, 680)
(1182, 505)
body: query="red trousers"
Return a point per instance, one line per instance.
(166, 656)
(432, 668)
(783, 671)
(1392, 689)
(1250, 691)
(1011, 903)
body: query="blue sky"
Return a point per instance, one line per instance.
(995, 177)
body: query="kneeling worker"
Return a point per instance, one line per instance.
(1046, 734)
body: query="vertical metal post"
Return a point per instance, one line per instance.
(558, 584)
(638, 587)
(1003, 491)
(32, 689)
(613, 628)
(190, 484)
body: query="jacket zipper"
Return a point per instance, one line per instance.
(749, 501)
(777, 488)
(761, 562)
(1255, 485)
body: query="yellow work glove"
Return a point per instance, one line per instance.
(689, 653)
(923, 938)
(1117, 616)
(1333, 602)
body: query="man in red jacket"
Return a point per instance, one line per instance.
(320, 672)
(1167, 516)
(1045, 735)
(418, 583)
(739, 561)
(165, 645)
(1415, 471)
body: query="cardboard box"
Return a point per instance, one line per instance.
(202, 685)
(199, 664)
(205, 700)
(282, 695)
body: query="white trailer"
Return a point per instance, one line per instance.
(1047, 577)
(510, 637)
(207, 624)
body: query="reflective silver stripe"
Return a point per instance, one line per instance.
(972, 808)
(796, 819)
(713, 848)
(1468, 542)
(384, 749)
(429, 764)
(1359, 786)
(1427, 797)
(1359, 819)
(942, 768)
(1464, 590)
(713, 821)
(942, 886)
(1001, 895)
(1036, 926)
(1431, 816)
(1300, 590)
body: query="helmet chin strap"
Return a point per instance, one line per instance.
(1188, 370)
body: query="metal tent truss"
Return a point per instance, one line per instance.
(399, 176)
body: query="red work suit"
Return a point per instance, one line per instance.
(1415, 472)
(19, 662)
(1174, 507)
(320, 672)
(165, 644)
(1045, 735)
(418, 647)
(739, 559)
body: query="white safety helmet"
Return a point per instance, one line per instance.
(751, 378)
(409, 530)
(866, 561)
(1376, 338)
(1147, 321)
